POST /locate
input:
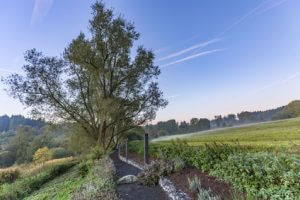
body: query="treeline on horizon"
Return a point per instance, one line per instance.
(11, 123)
(172, 127)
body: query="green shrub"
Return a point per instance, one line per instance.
(151, 175)
(95, 154)
(9, 175)
(84, 167)
(194, 184)
(264, 175)
(42, 155)
(7, 159)
(179, 164)
(60, 153)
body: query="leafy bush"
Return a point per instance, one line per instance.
(194, 184)
(151, 175)
(202, 194)
(265, 175)
(179, 164)
(96, 153)
(42, 155)
(7, 158)
(84, 167)
(9, 175)
(60, 153)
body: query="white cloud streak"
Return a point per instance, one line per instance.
(192, 56)
(278, 83)
(244, 17)
(40, 10)
(179, 53)
(258, 10)
(173, 96)
(270, 6)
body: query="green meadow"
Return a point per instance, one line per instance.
(281, 133)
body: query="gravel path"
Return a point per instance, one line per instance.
(135, 191)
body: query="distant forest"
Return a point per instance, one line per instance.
(172, 127)
(12, 123)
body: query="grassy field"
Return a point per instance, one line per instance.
(60, 179)
(60, 187)
(283, 133)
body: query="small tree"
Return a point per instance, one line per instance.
(42, 155)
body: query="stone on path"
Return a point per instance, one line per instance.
(127, 179)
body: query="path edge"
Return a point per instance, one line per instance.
(166, 184)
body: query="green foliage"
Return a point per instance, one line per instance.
(95, 153)
(136, 133)
(179, 164)
(84, 167)
(96, 184)
(20, 144)
(202, 194)
(6, 159)
(262, 174)
(283, 135)
(99, 182)
(194, 184)
(62, 187)
(151, 175)
(12, 123)
(24, 187)
(60, 152)
(96, 83)
(9, 175)
(266, 175)
(291, 110)
(42, 155)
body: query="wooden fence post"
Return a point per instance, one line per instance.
(126, 149)
(146, 149)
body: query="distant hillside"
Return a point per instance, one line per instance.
(12, 123)
(291, 110)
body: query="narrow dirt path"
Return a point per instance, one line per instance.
(135, 191)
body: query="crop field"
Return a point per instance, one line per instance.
(283, 133)
(261, 160)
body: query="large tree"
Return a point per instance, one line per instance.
(96, 83)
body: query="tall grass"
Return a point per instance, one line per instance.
(34, 178)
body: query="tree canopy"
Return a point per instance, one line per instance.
(96, 83)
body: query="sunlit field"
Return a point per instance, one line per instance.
(283, 133)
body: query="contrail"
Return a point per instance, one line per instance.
(273, 5)
(179, 53)
(192, 56)
(277, 83)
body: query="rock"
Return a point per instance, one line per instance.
(127, 179)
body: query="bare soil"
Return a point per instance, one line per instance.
(218, 188)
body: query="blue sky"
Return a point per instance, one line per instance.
(216, 57)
